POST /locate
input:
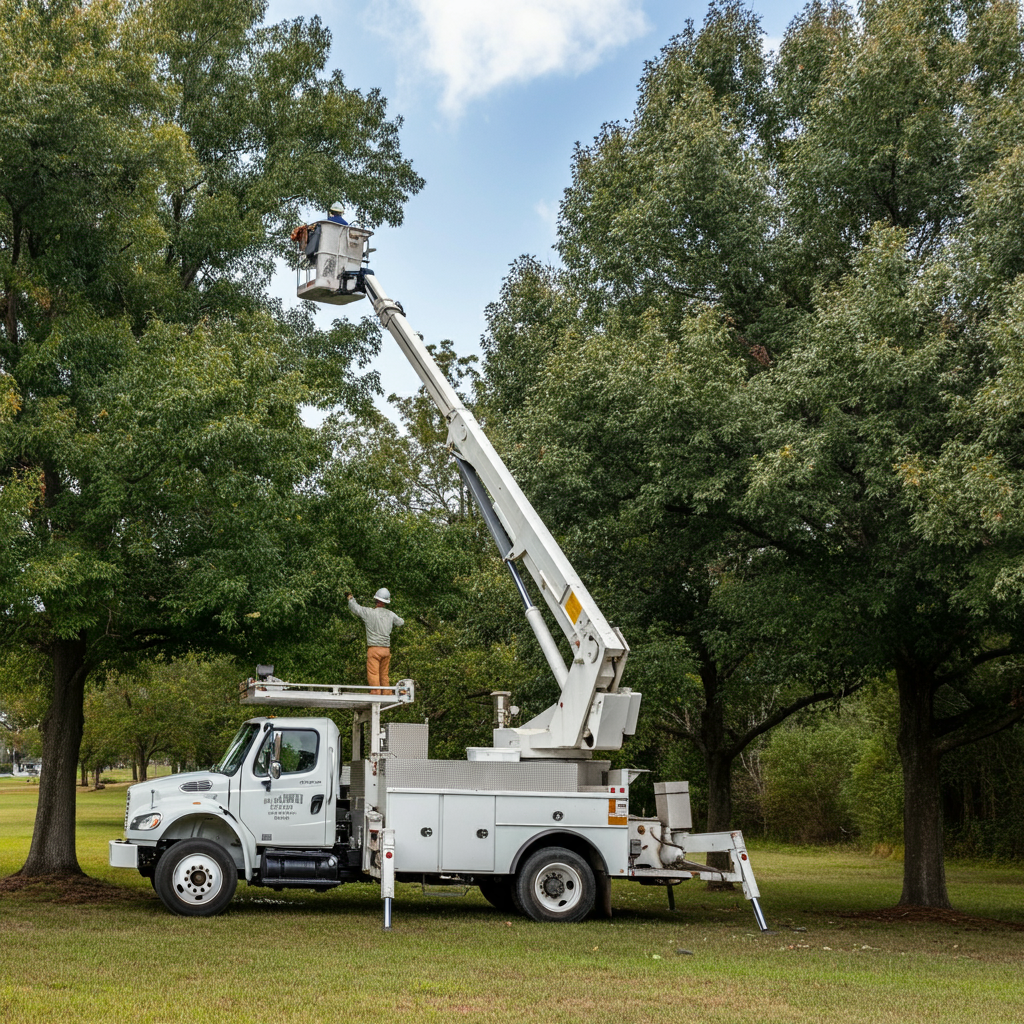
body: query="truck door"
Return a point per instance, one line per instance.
(289, 811)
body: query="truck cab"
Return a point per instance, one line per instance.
(277, 791)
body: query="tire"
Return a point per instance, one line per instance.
(498, 892)
(196, 878)
(555, 884)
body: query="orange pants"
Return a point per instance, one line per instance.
(378, 660)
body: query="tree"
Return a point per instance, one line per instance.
(891, 355)
(184, 710)
(267, 132)
(159, 488)
(102, 742)
(677, 206)
(628, 447)
(772, 416)
(22, 701)
(871, 394)
(407, 465)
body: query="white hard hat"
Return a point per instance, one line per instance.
(337, 208)
(383, 595)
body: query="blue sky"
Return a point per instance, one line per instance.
(493, 96)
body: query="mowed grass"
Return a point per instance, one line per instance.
(300, 957)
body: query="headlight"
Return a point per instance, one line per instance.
(145, 821)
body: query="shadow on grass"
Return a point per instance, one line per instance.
(414, 907)
(71, 889)
(930, 915)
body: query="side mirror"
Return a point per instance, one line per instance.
(275, 760)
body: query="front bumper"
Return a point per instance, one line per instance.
(123, 854)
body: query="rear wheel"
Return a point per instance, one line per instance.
(196, 878)
(498, 892)
(555, 884)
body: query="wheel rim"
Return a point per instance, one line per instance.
(558, 887)
(197, 880)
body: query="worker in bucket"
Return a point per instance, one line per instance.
(308, 235)
(379, 621)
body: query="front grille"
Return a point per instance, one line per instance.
(196, 786)
(127, 804)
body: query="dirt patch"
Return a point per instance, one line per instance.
(931, 915)
(70, 889)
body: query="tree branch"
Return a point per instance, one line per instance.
(783, 713)
(962, 737)
(979, 659)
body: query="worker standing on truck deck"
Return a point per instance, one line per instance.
(379, 621)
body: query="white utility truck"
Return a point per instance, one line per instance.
(539, 823)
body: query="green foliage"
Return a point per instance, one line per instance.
(806, 771)
(788, 423)
(877, 777)
(983, 794)
(676, 206)
(523, 328)
(409, 467)
(24, 688)
(160, 492)
(184, 711)
(269, 134)
(160, 468)
(454, 680)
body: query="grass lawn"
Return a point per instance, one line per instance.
(286, 957)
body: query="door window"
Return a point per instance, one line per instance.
(299, 751)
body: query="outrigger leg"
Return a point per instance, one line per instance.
(387, 873)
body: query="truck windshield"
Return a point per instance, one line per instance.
(236, 751)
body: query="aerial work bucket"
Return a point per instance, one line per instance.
(327, 251)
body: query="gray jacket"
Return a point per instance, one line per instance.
(378, 621)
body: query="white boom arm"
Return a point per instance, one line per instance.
(592, 712)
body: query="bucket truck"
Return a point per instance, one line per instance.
(539, 823)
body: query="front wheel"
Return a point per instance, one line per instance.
(196, 878)
(555, 884)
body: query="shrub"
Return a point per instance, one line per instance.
(876, 788)
(983, 797)
(876, 783)
(806, 773)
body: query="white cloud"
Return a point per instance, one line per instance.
(476, 46)
(548, 213)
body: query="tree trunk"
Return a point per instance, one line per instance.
(718, 765)
(924, 869)
(719, 769)
(135, 770)
(85, 774)
(143, 762)
(96, 777)
(53, 838)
